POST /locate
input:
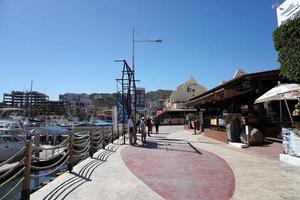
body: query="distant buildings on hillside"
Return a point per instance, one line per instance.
(69, 104)
(73, 101)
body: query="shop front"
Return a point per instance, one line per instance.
(229, 108)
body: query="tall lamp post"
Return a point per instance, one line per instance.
(133, 67)
(133, 43)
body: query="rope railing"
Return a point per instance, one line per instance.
(12, 169)
(83, 143)
(51, 172)
(50, 166)
(82, 150)
(16, 155)
(50, 157)
(12, 189)
(76, 147)
(13, 177)
(82, 155)
(81, 134)
(97, 137)
(61, 145)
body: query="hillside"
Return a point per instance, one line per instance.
(109, 100)
(158, 94)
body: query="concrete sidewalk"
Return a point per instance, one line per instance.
(104, 176)
(256, 176)
(176, 165)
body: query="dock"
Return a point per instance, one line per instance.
(175, 164)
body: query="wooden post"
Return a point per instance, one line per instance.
(112, 134)
(25, 194)
(71, 159)
(91, 143)
(103, 136)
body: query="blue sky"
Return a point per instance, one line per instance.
(70, 45)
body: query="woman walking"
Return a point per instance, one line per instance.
(143, 130)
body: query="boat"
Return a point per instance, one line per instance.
(11, 127)
(10, 145)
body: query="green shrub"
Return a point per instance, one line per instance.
(287, 44)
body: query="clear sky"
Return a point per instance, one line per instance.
(70, 45)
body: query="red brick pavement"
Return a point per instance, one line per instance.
(175, 170)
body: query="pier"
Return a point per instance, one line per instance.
(175, 164)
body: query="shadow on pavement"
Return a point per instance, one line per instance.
(83, 176)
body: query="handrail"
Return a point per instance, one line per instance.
(13, 177)
(49, 166)
(46, 174)
(61, 145)
(12, 169)
(80, 151)
(12, 189)
(77, 146)
(13, 157)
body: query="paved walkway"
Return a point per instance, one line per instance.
(176, 165)
(176, 170)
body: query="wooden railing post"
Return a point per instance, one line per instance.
(91, 143)
(71, 159)
(25, 194)
(103, 136)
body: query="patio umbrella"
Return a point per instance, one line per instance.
(281, 92)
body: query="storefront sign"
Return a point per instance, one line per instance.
(287, 11)
(140, 98)
(121, 110)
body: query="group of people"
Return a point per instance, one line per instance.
(141, 126)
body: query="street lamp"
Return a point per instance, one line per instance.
(134, 41)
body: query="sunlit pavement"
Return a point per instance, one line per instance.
(175, 170)
(176, 164)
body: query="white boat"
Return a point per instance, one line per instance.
(11, 127)
(10, 145)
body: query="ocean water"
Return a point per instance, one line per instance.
(103, 123)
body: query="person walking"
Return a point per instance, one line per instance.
(149, 125)
(143, 130)
(156, 124)
(132, 135)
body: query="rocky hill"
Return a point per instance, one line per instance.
(158, 94)
(109, 100)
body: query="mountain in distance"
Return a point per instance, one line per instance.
(109, 100)
(103, 99)
(158, 94)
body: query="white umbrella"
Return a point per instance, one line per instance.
(281, 92)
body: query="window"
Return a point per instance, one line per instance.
(188, 89)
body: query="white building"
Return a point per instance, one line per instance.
(183, 93)
(72, 101)
(288, 10)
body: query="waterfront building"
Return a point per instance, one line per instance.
(176, 110)
(24, 100)
(54, 108)
(72, 101)
(235, 99)
(183, 93)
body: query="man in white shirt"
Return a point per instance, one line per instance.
(131, 129)
(143, 130)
